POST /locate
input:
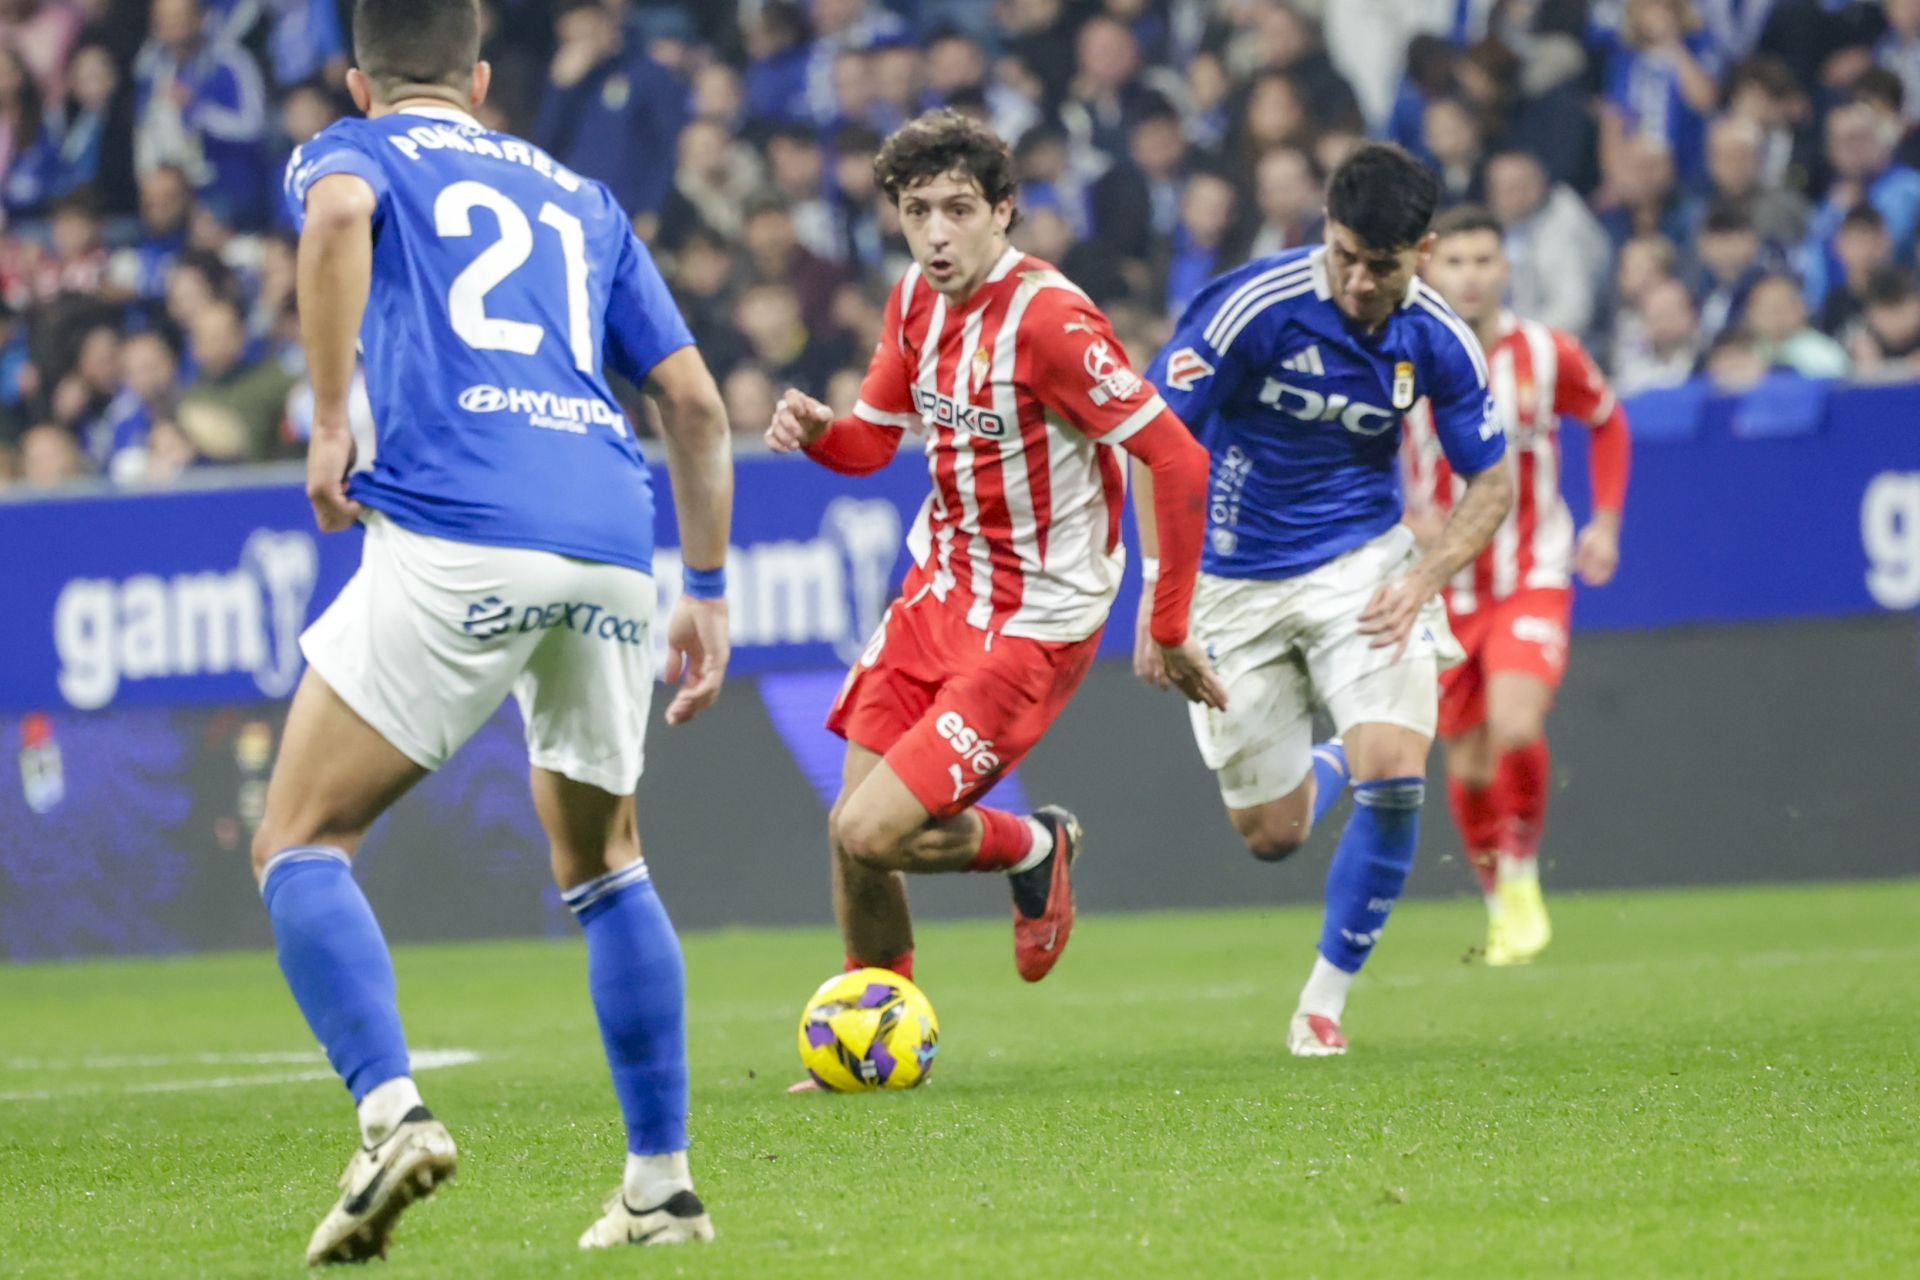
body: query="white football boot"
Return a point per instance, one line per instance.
(380, 1182)
(679, 1219)
(1314, 1035)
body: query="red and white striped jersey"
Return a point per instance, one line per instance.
(1537, 375)
(1021, 393)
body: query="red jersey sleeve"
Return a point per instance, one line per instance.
(886, 394)
(1076, 367)
(1582, 392)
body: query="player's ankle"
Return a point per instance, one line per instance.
(385, 1106)
(653, 1179)
(1042, 847)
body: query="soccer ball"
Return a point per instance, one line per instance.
(868, 1029)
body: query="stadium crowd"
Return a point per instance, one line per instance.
(1699, 188)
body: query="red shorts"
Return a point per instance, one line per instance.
(1525, 633)
(950, 706)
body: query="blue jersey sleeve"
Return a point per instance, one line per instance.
(331, 152)
(1205, 358)
(644, 325)
(1456, 382)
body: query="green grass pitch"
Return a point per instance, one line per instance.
(1689, 1084)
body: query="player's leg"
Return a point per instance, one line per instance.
(1517, 706)
(915, 810)
(638, 985)
(334, 776)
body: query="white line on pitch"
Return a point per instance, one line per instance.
(421, 1059)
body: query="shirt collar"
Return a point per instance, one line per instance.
(452, 115)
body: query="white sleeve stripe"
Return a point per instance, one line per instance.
(881, 418)
(1224, 317)
(1604, 411)
(1439, 311)
(1137, 419)
(1280, 293)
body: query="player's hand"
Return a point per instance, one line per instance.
(1148, 663)
(1389, 616)
(798, 420)
(698, 647)
(330, 456)
(1597, 554)
(1189, 670)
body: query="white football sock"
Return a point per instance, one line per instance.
(1326, 990)
(1517, 869)
(1493, 904)
(652, 1180)
(1042, 846)
(382, 1110)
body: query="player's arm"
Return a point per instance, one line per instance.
(334, 272)
(1475, 446)
(647, 342)
(866, 439)
(1079, 370)
(1582, 393)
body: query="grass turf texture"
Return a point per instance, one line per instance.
(1689, 1084)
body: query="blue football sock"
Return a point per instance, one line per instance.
(640, 995)
(1369, 868)
(1330, 776)
(336, 961)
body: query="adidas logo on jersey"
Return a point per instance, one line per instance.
(1307, 361)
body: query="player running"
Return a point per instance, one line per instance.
(1025, 400)
(1295, 371)
(508, 549)
(1511, 607)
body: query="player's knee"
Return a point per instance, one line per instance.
(1472, 768)
(863, 840)
(1272, 846)
(1515, 728)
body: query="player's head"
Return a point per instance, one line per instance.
(1379, 204)
(417, 49)
(1469, 262)
(951, 178)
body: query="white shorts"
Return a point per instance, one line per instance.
(429, 636)
(1279, 644)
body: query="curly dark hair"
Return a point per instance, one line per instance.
(936, 143)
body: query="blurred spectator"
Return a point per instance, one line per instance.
(1886, 345)
(145, 396)
(305, 39)
(1271, 114)
(1209, 93)
(798, 170)
(1450, 133)
(702, 276)
(1776, 313)
(1642, 263)
(750, 394)
(1040, 36)
(713, 181)
(200, 105)
(74, 261)
(1431, 71)
(1779, 214)
(1554, 243)
(1289, 197)
(1198, 250)
(1106, 98)
(1647, 200)
(42, 34)
(718, 96)
(609, 111)
(1731, 263)
(169, 452)
(776, 256)
(1670, 345)
(1660, 83)
(233, 410)
(1860, 152)
(23, 134)
(165, 201)
(94, 133)
(1864, 249)
(1134, 205)
(779, 47)
(792, 352)
(1763, 92)
(1899, 50)
(856, 228)
(50, 456)
(1284, 39)
(1047, 177)
(1734, 364)
(839, 25)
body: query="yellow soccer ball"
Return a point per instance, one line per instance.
(868, 1029)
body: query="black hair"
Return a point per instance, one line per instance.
(1384, 196)
(937, 143)
(1154, 107)
(1464, 220)
(1864, 217)
(416, 42)
(1878, 84)
(856, 140)
(1889, 287)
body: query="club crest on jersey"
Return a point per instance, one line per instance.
(1403, 385)
(1185, 368)
(945, 411)
(982, 366)
(1112, 380)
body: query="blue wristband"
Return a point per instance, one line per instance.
(704, 584)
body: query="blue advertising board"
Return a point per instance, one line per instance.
(199, 596)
